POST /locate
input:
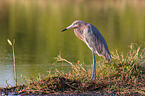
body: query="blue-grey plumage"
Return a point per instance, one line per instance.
(93, 38)
(96, 42)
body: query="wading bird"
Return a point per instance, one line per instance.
(94, 40)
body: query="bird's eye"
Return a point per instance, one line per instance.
(75, 23)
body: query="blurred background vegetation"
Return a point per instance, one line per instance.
(36, 27)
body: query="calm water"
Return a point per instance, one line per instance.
(36, 27)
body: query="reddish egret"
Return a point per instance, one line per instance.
(94, 40)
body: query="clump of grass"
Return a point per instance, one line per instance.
(128, 72)
(123, 75)
(76, 81)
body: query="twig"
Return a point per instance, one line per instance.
(61, 59)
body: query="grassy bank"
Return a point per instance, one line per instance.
(123, 75)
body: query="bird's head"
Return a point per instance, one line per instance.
(75, 24)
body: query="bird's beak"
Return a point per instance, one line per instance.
(71, 26)
(64, 29)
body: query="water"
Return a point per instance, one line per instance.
(36, 27)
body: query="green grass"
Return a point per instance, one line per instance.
(123, 75)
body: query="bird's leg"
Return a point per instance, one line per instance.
(94, 67)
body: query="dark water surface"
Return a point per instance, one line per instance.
(36, 27)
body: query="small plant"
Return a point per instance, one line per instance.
(12, 44)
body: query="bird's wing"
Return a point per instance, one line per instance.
(96, 42)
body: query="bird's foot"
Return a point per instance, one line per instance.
(93, 78)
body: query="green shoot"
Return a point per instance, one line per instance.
(12, 44)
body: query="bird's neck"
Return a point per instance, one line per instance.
(79, 33)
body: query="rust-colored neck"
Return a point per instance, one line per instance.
(79, 32)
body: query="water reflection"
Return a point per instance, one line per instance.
(36, 27)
